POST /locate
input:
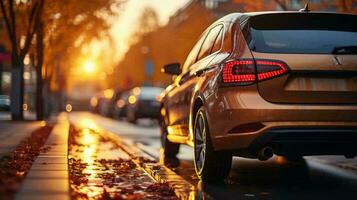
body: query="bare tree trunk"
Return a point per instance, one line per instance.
(17, 81)
(46, 101)
(17, 53)
(59, 83)
(39, 81)
(17, 90)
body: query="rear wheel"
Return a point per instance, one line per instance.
(131, 117)
(210, 165)
(169, 150)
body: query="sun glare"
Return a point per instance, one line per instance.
(89, 67)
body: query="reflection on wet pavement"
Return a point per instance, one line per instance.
(100, 169)
(276, 179)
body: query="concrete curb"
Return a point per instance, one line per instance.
(159, 173)
(48, 176)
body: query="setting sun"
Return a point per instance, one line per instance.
(89, 67)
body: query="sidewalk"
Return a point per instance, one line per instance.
(12, 133)
(95, 166)
(48, 176)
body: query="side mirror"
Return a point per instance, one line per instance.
(173, 69)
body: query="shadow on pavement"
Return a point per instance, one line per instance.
(273, 179)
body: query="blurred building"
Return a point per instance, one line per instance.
(171, 43)
(143, 61)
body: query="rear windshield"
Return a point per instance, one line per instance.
(310, 33)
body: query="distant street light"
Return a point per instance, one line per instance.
(69, 107)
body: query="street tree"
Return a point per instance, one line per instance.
(20, 39)
(59, 29)
(69, 26)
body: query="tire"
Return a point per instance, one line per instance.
(131, 117)
(210, 165)
(169, 150)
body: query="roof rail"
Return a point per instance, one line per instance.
(305, 9)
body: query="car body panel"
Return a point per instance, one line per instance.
(305, 100)
(246, 106)
(313, 78)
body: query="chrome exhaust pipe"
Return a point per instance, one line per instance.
(265, 153)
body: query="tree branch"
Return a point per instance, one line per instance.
(13, 27)
(9, 25)
(34, 20)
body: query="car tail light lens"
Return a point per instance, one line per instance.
(269, 69)
(243, 71)
(239, 71)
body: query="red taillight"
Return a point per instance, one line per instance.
(268, 69)
(243, 71)
(239, 71)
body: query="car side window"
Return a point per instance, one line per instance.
(218, 42)
(208, 43)
(191, 58)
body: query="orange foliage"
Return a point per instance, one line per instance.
(170, 43)
(249, 6)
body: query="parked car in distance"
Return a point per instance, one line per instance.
(95, 101)
(120, 106)
(264, 83)
(108, 105)
(143, 102)
(101, 102)
(105, 103)
(5, 104)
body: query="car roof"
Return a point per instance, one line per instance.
(234, 16)
(296, 12)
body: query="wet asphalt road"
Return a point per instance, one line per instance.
(249, 179)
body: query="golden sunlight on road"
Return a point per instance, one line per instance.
(89, 140)
(87, 123)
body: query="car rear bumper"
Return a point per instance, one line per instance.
(245, 121)
(309, 141)
(305, 140)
